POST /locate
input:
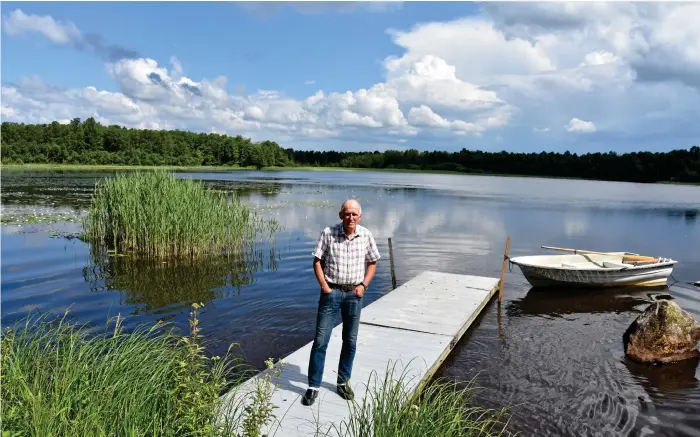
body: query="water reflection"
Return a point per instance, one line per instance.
(689, 214)
(667, 380)
(560, 302)
(157, 287)
(556, 357)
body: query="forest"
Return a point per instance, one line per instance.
(89, 142)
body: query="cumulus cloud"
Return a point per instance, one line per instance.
(576, 125)
(63, 33)
(475, 47)
(548, 60)
(515, 72)
(659, 41)
(166, 97)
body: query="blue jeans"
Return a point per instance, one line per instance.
(329, 304)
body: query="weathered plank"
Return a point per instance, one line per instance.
(405, 334)
(437, 303)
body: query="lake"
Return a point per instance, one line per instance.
(554, 358)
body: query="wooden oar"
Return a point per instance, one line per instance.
(629, 257)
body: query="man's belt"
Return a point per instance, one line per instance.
(343, 287)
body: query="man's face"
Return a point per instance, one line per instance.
(350, 215)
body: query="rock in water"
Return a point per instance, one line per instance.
(663, 333)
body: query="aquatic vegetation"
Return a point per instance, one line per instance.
(441, 408)
(38, 216)
(155, 214)
(62, 378)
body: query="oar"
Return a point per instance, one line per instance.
(630, 257)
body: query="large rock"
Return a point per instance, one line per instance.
(663, 333)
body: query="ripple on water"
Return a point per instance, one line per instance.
(555, 359)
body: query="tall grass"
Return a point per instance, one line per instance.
(60, 378)
(155, 214)
(442, 408)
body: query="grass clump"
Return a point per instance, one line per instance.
(440, 408)
(155, 214)
(63, 379)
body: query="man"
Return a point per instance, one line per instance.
(345, 259)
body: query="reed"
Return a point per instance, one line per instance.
(442, 408)
(155, 214)
(60, 378)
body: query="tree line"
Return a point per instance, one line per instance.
(89, 142)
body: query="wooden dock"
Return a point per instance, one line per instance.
(408, 332)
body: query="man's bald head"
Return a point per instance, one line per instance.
(350, 213)
(351, 204)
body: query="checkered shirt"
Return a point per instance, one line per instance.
(344, 259)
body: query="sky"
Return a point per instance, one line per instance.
(357, 76)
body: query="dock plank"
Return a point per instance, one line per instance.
(409, 331)
(437, 303)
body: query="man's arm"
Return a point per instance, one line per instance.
(369, 274)
(371, 268)
(371, 257)
(319, 253)
(320, 277)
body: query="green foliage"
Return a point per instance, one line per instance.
(63, 379)
(193, 397)
(440, 409)
(158, 215)
(673, 166)
(259, 412)
(91, 143)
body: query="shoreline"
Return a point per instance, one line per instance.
(109, 167)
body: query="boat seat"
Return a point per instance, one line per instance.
(616, 264)
(571, 266)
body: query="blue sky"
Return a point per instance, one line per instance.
(370, 76)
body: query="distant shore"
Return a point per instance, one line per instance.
(111, 167)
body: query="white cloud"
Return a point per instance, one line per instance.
(433, 81)
(477, 49)
(516, 72)
(176, 67)
(659, 41)
(577, 125)
(19, 23)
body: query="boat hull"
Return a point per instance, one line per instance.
(650, 275)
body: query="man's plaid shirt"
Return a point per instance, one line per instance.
(344, 259)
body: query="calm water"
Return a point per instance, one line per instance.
(555, 359)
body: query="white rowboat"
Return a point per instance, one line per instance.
(614, 269)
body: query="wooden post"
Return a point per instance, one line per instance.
(500, 329)
(503, 270)
(391, 261)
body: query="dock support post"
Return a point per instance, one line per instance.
(503, 270)
(391, 261)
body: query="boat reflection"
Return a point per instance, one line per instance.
(554, 301)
